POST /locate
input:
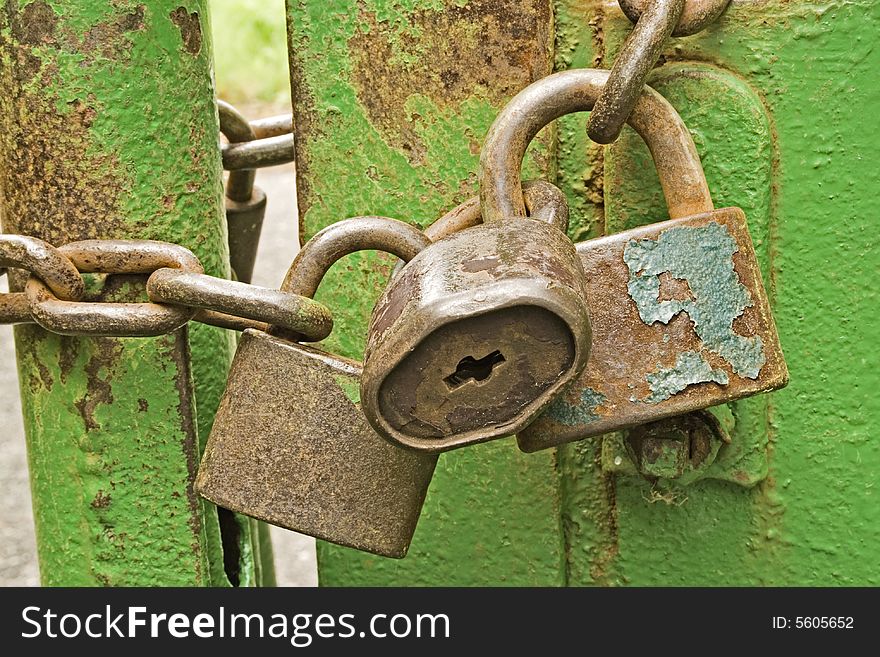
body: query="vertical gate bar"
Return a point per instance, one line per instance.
(108, 130)
(391, 104)
(805, 179)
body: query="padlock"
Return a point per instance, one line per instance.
(289, 443)
(680, 317)
(481, 330)
(245, 202)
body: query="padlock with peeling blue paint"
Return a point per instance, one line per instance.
(680, 317)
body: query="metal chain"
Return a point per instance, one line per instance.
(655, 21)
(176, 285)
(260, 143)
(178, 290)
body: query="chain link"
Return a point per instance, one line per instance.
(696, 17)
(267, 152)
(655, 21)
(178, 290)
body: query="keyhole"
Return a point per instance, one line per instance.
(471, 368)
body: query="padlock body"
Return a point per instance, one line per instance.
(681, 322)
(290, 446)
(475, 335)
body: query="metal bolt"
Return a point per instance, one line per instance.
(669, 448)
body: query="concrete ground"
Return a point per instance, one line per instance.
(294, 554)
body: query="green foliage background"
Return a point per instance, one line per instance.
(250, 52)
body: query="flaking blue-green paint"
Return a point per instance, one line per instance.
(586, 410)
(702, 256)
(690, 368)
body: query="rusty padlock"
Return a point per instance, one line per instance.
(680, 317)
(289, 443)
(245, 202)
(481, 330)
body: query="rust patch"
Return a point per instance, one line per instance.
(106, 38)
(101, 500)
(38, 23)
(99, 372)
(488, 48)
(305, 126)
(57, 186)
(674, 289)
(179, 353)
(68, 351)
(190, 29)
(480, 264)
(607, 551)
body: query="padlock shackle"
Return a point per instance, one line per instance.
(653, 118)
(345, 237)
(237, 129)
(544, 202)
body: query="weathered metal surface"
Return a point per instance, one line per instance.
(344, 238)
(632, 65)
(653, 118)
(36, 256)
(272, 126)
(265, 152)
(236, 300)
(245, 203)
(86, 153)
(473, 337)
(391, 102)
(111, 319)
(544, 202)
(45, 261)
(697, 14)
(681, 322)
(811, 518)
(290, 445)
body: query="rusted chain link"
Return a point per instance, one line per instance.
(272, 126)
(229, 301)
(259, 153)
(655, 21)
(637, 57)
(112, 318)
(696, 17)
(42, 259)
(178, 290)
(236, 129)
(14, 307)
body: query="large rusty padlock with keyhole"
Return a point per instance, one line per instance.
(480, 331)
(678, 310)
(289, 443)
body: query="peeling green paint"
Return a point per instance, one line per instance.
(581, 413)
(702, 256)
(690, 368)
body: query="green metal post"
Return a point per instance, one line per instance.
(392, 101)
(108, 130)
(775, 96)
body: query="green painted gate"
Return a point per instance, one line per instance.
(391, 101)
